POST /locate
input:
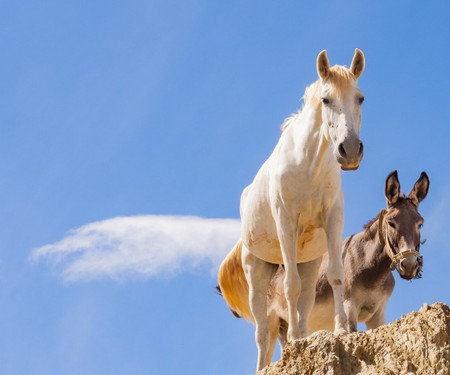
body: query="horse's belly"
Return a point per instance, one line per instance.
(311, 245)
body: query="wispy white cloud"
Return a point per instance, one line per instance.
(150, 246)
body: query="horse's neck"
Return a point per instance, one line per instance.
(305, 144)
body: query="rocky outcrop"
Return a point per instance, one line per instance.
(419, 343)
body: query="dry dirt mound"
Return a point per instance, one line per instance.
(419, 343)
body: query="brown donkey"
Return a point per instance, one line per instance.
(389, 241)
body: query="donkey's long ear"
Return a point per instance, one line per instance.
(357, 66)
(392, 188)
(323, 65)
(420, 189)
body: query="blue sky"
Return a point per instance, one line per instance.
(126, 127)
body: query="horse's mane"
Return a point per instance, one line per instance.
(341, 79)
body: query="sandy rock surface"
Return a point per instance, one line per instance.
(419, 343)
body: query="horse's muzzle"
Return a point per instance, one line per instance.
(349, 154)
(347, 168)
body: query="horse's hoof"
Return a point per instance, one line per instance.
(340, 331)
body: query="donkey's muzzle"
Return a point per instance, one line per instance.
(409, 266)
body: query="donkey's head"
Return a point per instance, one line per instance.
(402, 223)
(341, 108)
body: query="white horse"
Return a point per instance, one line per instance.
(292, 213)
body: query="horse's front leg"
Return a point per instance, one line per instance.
(335, 271)
(308, 274)
(258, 274)
(288, 237)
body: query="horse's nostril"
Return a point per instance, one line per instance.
(361, 148)
(341, 150)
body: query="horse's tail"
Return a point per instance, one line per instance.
(233, 285)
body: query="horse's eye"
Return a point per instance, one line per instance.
(325, 101)
(391, 224)
(361, 99)
(420, 225)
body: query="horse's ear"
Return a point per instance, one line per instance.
(420, 189)
(392, 188)
(323, 65)
(357, 66)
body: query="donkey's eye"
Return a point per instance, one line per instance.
(325, 100)
(361, 99)
(420, 225)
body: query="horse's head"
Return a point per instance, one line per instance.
(341, 108)
(402, 223)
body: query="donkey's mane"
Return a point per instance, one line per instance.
(341, 79)
(367, 226)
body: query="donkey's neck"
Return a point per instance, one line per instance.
(376, 263)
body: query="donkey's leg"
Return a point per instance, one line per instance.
(258, 274)
(308, 274)
(377, 319)
(335, 271)
(282, 334)
(351, 310)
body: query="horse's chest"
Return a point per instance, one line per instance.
(307, 204)
(310, 198)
